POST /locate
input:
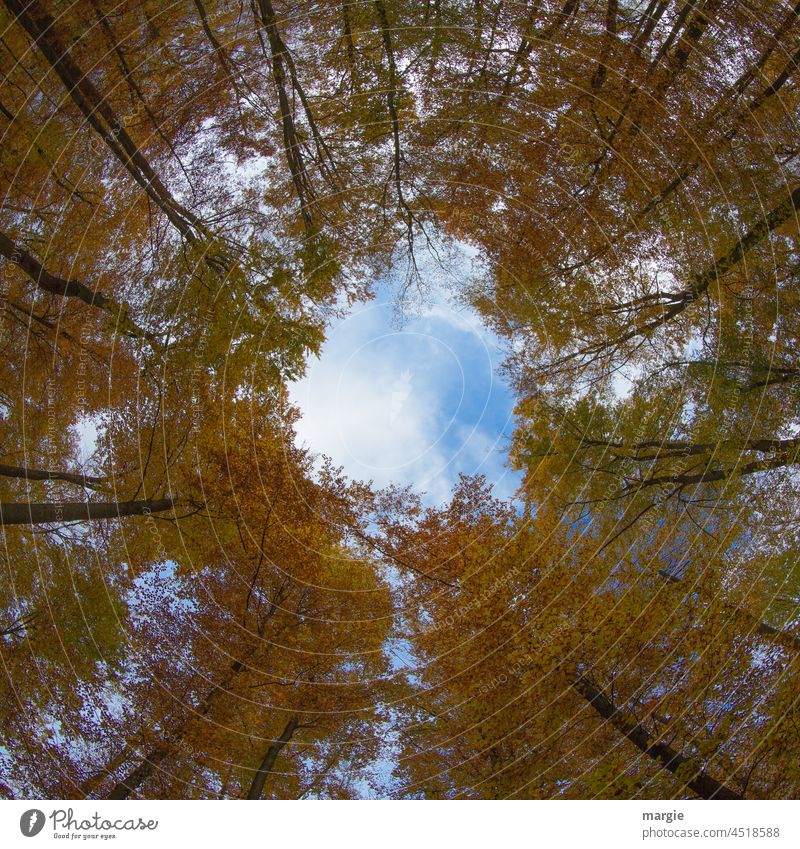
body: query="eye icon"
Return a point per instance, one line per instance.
(31, 822)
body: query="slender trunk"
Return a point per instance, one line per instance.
(40, 26)
(722, 107)
(38, 513)
(569, 9)
(791, 67)
(257, 787)
(48, 282)
(777, 636)
(680, 20)
(94, 781)
(56, 285)
(391, 105)
(143, 771)
(695, 29)
(27, 473)
(777, 39)
(563, 18)
(391, 93)
(19, 626)
(291, 143)
(690, 774)
(599, 77)
(672, 305)
(671, 448)
(149, 763)
(711, 475)
(523, 51)
(650, 19)
(696, 26)
(350, 46)
(218, 49)
(127, 73)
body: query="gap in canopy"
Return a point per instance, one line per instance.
(413, 402)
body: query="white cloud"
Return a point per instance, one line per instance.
(412, 406)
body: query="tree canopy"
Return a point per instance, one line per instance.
(192, 606)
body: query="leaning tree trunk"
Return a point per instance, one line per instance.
(55, 285)
(38, 513)
(692, 775)
(29, 474)
(257, 787)
(42, 29)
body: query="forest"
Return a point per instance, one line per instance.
(193, 605)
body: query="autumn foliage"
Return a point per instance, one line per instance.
(194, 606)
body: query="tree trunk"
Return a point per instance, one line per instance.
(652, 16)
(704, 785)
(291, 143)
(672, 305)
(144, 770)
(40, 26)
(776, 635)
(790, 68)
(149, 763)
(257, 787)
(37, 513)
(49, 475)
(56, 285)
(46, 281)
(94, 781)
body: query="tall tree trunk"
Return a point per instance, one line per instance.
(27, 473)
(672, 305)
(56, 285)
(94, 781)
(291, 144)
(650, 19)
(41, 28)
(257, 786)
(149, 763)
(775, 635)
(776, 41)
(48, 282)
(599, 77)
(695, 29)
(219, 51)
(116, 46)
(394, 120)
(144, 770)
(693, 777)
(790, 68)
(38, 513)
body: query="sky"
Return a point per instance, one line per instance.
(416, 402)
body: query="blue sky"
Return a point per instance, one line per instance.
(412, 404)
